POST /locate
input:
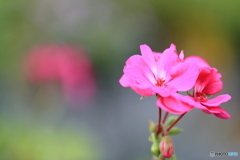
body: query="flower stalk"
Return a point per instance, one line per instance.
(176, 121)
(165, 117)
(159, 128)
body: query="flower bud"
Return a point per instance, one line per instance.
(152, 127)
(166, 147)
(155, 149)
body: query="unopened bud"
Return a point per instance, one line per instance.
(152, 127)
(166, 147)
(155, 149)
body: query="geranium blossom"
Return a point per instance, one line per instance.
(165, 74)
(159, 73)
(208, 83)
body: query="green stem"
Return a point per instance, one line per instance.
(176, 121)
(165, 132)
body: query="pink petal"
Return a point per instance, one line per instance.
(144, 90)
(164, 91)
(208, 81)
(184, 76)
(206, 111)
(148, 57)
(157, 55)
(217, 100)
(173, 104)
(213, 87)
(125, 81)
(224, 115)
(218, 112)
(198, 60)
(214, 84)
(137, 69)
(190, 100)
(172, 46)
(168, 59)
(181, 55)
(138, 76)
(202, 80)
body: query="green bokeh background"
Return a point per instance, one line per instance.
(36, 127)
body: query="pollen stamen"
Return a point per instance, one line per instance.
(201, 97)
(160, 82)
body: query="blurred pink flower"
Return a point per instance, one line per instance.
(66, 64)
(159, 73)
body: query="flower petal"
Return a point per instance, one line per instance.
(174, 104)
(181, 55)
(218, 112)
(144, 90)
(157, 56)
(138, 76)
(214, 84)
(167, 60)
(164, 91)
(184, 76)
(137, 69)
(198, 60)
(125, 81)
(149, 58)
(217, 100)
(208, 81)
(223, 115)
(213, 87)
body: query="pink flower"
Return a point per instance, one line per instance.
(65, 64)
(159, 73)
(208, 83)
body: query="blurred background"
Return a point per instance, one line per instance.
(60, 62)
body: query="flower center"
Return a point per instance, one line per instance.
(201, 97)
(160, 82)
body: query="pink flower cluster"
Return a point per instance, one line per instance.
(66, 64)
(166, 74)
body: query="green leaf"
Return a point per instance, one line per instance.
(170, 120)
(175, 131)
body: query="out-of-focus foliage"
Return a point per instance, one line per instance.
(21, 142)
(15, 31)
